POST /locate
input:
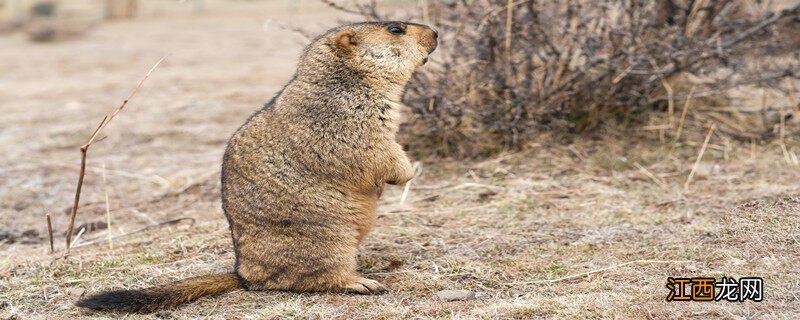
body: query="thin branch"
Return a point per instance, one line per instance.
(699, 156)
(108, 210)
(92, 139)
(683, 114)
(732, 41)
(50, 232)
(652, 177)
(78, 236)
(760, 26)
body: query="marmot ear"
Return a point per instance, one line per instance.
(346, 40)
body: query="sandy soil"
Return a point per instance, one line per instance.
(509, 229)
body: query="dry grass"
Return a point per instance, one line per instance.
(495, 227)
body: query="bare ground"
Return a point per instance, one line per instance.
(500, 228)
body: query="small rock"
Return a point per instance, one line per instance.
(707, 169)
(455, 295)
(76, 292)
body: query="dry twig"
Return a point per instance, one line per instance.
(85, 148)
(652, 177)
(108, 209)
(699, 156)
(417, 169)
(50, 233)
(683, 114)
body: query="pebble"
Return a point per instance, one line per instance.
(76, 292)
(455, 295)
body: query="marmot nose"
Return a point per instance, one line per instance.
(435, 34)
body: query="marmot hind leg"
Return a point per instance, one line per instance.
(314, 281)
(303, 267)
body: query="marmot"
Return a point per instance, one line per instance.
(301, 178)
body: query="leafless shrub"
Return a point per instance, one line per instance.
(507, 70)
(53, 30)
(45, 24)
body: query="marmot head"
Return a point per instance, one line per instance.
(383, 53)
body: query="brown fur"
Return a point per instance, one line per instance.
(301, 178)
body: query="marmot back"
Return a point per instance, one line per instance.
(301, 178)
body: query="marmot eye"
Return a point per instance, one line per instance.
(396, 30)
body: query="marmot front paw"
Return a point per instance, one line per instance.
(364, 286)
(403, 180)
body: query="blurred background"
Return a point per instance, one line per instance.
(65, 64)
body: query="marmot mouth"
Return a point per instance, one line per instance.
(424, 61)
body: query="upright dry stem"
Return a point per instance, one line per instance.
(108, 209)
(92, 139)
(50, 232)
(699, 157)
(683, 114)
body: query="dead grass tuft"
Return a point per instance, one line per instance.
(557, 236)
